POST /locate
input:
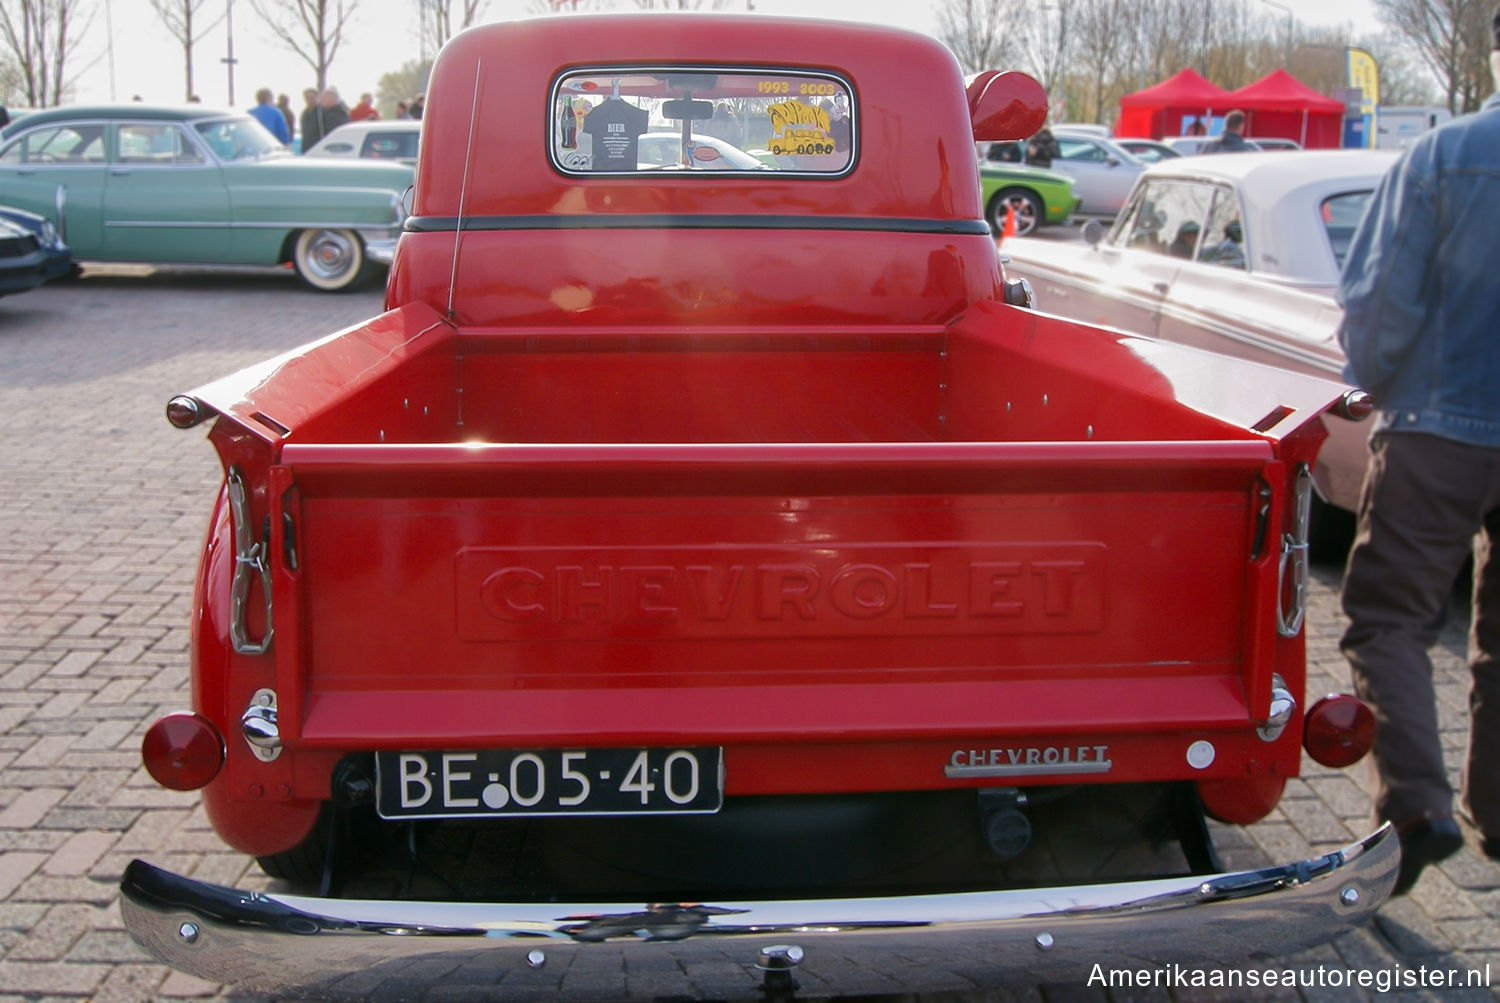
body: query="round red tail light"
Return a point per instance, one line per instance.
(183, 751)
(1338, 730)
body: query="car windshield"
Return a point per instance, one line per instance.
(240, 138)
(682, 119)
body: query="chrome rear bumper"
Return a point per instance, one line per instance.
(337, 949)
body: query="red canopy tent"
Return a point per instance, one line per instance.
(1159, 110)
(1278, 104)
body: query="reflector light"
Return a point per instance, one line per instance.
(184, 412)
(1338, 730)
(183, 751)
(1356, 405)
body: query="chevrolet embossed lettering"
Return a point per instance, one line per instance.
(1000, 588)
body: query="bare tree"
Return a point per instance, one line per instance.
(1050, 39)
(10, 81)
(442, 19)
(1247, 44)
(1101, 48)
(401, 85)
(1452, 39)
(1403, 79)
(40, 35)
(565, 6)
(313, 29)
(184, 19)
(1179, 34)
(980, 32)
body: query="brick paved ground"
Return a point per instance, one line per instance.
(102, 508)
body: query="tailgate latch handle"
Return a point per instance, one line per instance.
(1291, 579)
(249, 558)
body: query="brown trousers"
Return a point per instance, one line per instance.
(1424, 499)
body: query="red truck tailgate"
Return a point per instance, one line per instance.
(545, 594)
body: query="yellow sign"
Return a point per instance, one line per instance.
(1364, 74)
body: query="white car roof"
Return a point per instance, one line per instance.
(1276, 191)
(384, 124)
(1280, 171)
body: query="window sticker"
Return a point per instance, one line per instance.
(690, 120)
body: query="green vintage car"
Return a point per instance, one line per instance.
(189, 185)
(1038, 197)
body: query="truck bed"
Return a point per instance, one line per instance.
(916, 384)
(544, 537)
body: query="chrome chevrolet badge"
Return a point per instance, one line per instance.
(1028, 761)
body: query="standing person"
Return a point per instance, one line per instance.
(838, 123)
(1230, 140)
(401, 111)
(417, 106)
(284, 105)
(332, 111)
(364, 109)
(1421, 329)
(1041, 148)
(312, 119)
(266, 114)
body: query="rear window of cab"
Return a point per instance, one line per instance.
(689, 120)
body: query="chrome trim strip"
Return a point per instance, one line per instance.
(150, 224)
(1086, 285)
(1028, 769)
(341, 190)
(694, 221)
(346, 949)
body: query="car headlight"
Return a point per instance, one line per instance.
(48, 236)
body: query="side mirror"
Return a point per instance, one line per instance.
(1093, 232)
(1006, 106)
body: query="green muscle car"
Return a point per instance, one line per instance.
(190, 185)
(1038, 197)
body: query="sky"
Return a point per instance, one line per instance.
(145, 60)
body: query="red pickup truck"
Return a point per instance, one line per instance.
(709, 575)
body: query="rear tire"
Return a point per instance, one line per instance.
(330, 260)
(1028, 210)
(303, 864)
(1330, 532)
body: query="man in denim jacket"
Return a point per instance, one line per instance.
(1421, 330)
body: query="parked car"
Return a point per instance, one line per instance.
(1148, 151)
(1276, 144)
(1090, 128)
(1101, 170)
(23, 261)
(374, 139)
(1190, 146)
(1035, 197)
(57, 259)
(1236, 254)
(190, 185)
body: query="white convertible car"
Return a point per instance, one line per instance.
(1237, 254)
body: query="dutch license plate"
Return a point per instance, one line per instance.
(490, 783)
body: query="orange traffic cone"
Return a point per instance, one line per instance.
(1008, 228)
